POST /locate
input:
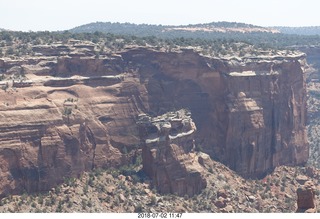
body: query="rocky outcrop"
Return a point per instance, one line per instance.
(63, 115)
(306, 198)
(168, 153)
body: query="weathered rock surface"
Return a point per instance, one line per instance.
(73, 113)
(306, 198)
(253, 110)
(168, 153)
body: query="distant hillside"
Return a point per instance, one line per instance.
(315, 30)
(224, 27)
(156, 30)
(262, 36)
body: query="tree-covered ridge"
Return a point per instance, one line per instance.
(139, 29)
(312, 30)
(168, 30)
(16, 44)
(119, 35)
(224, 24)
(263, 37)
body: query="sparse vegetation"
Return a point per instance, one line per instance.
(67, 111)
(111, 191)
(17, 44)
(127, 188)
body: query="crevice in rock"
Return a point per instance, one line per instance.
(92, 140)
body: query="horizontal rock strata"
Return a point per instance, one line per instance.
(65, 110)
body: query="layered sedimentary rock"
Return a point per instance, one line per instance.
(267, 115)
(74, 113)
(168, 153)
(250, 112)
(41, 144)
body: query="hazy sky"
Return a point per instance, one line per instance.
(50, 15)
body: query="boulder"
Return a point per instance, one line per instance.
(220, 203)
(301, 179)
(222, 193)
(228, 209)
(306, 198)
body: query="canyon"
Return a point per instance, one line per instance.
(66, 110)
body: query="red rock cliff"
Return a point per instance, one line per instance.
(249, 113)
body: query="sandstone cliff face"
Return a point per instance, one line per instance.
(40, 146)
(267, 116)
(250, 113)
(168, 153)
(75, 113)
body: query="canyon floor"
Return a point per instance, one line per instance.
(128, 190)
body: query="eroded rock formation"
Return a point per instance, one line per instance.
(306, 198)
(74, 111)
(168, 153)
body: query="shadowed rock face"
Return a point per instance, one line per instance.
(67, 118)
